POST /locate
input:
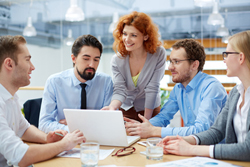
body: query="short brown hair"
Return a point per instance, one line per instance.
(144, 24)
(194, 50)
(9, 47)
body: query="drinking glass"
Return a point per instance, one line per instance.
(89, 154)
(154, 152)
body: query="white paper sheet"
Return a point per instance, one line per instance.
(75, 153)
(194, 162)
(143, 143)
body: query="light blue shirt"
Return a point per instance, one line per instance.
(199, 104)
(62, 90)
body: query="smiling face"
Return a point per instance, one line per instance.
(86, 63)
(182, 72)
(132, 38)
(24, 67)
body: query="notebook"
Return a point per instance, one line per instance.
(103, 126)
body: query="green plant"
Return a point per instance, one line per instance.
(23, 111)
(164, 96)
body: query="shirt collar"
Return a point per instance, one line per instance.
(193, 83)
(240, 88)
(76, 82)
(5, 94)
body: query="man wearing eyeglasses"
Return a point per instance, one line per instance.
(198, 96)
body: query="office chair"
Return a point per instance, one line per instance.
(32, 110)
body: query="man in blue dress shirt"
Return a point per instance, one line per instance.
(63, 90)
(199, 97)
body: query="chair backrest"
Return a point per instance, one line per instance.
(32, 110)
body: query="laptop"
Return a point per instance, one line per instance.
(103, 126)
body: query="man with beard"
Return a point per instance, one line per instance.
(63, 90)
(198, 96)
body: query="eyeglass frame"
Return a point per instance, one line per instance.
(176, 62)
(225, 54)
(124, 149)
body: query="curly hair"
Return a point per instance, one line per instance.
(194, 50)
(144, 24)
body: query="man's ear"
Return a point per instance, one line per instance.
(195, 65)
(73, 58)
(8, 63)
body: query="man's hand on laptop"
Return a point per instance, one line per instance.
(144, 129)
(63, 121)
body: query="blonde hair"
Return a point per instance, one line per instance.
(240, 42)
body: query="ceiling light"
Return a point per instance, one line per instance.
(114, 22)
(69, 41)
(225, 39)
(74, 13)
(203, 3)
(215, 18)
(222, 31)
(29, 30)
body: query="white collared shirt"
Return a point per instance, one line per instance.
(240, 117)
(12, 127)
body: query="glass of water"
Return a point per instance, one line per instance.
(154, 152)
(89, 154)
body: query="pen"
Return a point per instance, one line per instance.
(59, 134)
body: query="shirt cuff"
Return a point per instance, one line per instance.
(166, 131)
(211, 151)
(196, 139)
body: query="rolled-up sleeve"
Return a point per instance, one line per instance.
(12, 147)
(212, 101)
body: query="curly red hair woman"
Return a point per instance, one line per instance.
(144, 24)
(138, 67)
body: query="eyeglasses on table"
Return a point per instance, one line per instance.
(124, 151)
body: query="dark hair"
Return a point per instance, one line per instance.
(194, 50)
(9, 47)
(144, 24)
(85, 40)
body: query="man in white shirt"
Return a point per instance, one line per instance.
(15, 68)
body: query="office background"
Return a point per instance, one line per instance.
(176, 19)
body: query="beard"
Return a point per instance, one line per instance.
(86, 75)
(183, 78)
